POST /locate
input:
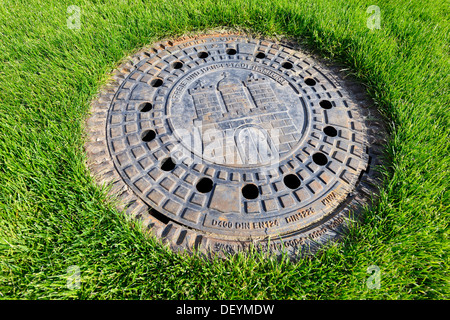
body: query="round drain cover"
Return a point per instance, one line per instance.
(219, 142)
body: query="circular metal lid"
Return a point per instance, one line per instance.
(223, 141)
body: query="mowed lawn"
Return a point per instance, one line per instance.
(61, 237)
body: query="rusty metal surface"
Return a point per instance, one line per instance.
(223, 141)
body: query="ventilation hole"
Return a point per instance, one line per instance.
(325, 104)
(198, 242)
(361, 175)
(181, 237)
(288, 65)
(145, 107)
(205, 185)
(168, 164)
(320, 159)
(166, 230)
(156, 82)
(177, 65)
(260, 55)
(231, 51)
(330, 131)
(292, 181)
(203, 55)
(250, 191)
(148, 135)
(310, 81)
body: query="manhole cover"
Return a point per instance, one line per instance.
(219, 142)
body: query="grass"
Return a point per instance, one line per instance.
(53, 216)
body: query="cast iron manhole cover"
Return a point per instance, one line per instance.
(218, 142)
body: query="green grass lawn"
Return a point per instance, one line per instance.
(53, 216)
